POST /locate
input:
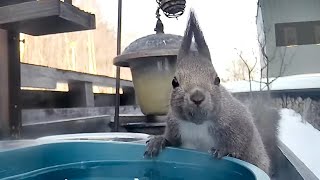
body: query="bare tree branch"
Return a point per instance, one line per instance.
(249, 69)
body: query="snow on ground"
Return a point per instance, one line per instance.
(301, 138)
(302, 81)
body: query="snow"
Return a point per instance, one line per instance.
(302, 81)
(242, 86)
(301, 138)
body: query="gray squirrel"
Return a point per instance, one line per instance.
(202, 114)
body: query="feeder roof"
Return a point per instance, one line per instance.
(150, 46)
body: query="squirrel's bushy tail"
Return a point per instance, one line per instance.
(267, 122)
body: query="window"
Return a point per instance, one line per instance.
(290, 36)
(317, 34)
(297, 33)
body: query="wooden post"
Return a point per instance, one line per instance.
(14, 83)
(4, 89)
(10, 101)
(128, 97)
(81, 94)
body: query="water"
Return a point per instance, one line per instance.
(106, 161)
(117, 170)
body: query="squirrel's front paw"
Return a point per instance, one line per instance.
(154, 146)
(219, 153)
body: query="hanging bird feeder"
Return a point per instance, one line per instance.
(152, 61)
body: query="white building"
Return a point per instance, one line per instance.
(291, 29)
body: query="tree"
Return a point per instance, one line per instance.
(90, 51)
(236, 71)
(249, 68)
(267, 58)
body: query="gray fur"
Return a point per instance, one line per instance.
(266, 119)
(230, 124)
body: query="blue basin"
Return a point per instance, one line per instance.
(117, 160)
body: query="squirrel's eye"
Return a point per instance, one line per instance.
(217, 81)
(175, 82)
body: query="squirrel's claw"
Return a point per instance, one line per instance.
(218, 153)
(234, 155)
(155, 146)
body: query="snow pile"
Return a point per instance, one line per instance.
(301, 138)
(302, 81)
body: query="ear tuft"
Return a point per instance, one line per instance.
(186, 42)
(201, 43)
(193, 30)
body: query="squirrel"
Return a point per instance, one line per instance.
(202, 114)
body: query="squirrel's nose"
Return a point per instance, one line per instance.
(197, 97)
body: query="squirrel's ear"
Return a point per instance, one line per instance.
(193, 30)
(186, 42)
(217, 80)
(201, 43)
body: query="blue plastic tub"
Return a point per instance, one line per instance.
(114, 160)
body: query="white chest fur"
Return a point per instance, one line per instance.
(196, 136)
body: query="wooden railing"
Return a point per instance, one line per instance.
(46, 77)
(80, 84)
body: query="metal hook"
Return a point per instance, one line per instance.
(159, 25)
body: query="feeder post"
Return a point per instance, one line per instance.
(116, 114)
